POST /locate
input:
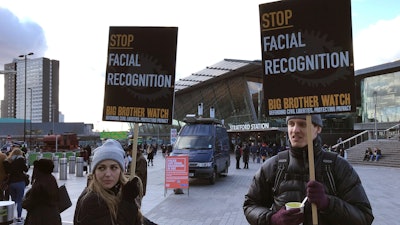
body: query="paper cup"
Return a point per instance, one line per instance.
(295, 205)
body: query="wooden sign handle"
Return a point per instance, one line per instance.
(311, 165)
(134, 150)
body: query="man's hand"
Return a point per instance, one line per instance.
(316, 194)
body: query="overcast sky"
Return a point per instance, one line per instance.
(76, 34)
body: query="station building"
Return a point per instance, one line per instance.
(234, 89)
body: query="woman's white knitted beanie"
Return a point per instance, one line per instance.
(111, 149)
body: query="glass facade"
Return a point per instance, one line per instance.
(381, 98)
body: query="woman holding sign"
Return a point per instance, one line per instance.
(109, 197)
(336, 192)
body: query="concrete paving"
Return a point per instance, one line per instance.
(221, 203)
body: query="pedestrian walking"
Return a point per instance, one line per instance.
(42, 199)
(246, 156)
(238, 154)
(141, 169)
(3, 179)
(253, 150)
(150, 155)
(15, 166)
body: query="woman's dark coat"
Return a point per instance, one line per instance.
(94, 210)
(41, 201)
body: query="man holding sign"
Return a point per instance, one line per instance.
(336, 191)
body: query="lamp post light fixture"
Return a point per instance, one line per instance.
(25, 59)
(375, 94)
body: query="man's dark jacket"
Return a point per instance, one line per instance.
(349, 206)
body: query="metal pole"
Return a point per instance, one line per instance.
(25, 59)
(52, 117)
(30, 124)
(54, 132)
(25, 102)
(376, 131)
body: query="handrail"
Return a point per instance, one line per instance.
(392, 127)
(354, 138)
(367, 135)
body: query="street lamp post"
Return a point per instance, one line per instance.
(54, 133)
(375, 94)
(25, 59)
(30, 124)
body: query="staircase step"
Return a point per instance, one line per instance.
(390, 153)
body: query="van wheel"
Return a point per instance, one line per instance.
(213, 177)
(225, 172)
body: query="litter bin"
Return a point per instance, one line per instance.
(55, 161)
(79, 166)
(7, 212)
(71, 164)
(63, 168)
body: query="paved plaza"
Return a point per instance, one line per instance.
(221, 203)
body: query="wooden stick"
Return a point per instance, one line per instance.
(311, 165)
(134, 150)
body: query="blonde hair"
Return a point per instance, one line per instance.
(109, 197)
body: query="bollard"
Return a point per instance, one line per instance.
(79, 166)
(55, 161)
(71, 164)
(39, 156)
(63, 168)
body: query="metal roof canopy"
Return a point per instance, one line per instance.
(214, 71)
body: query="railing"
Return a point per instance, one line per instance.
(393, 132)
(390, 133)
(355, 140)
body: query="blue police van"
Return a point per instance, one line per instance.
(206, 141)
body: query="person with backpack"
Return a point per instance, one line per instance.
(337, 190)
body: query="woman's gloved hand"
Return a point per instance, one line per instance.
(131, 190)
(316, 194)
(287, 217)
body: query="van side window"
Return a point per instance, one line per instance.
(222, 139)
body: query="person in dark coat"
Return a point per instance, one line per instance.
(246, 156)
(265, 200)
(15, 166)
(3, 179)
(141, 169)
(41, 201)
(109, 197)
(150, 154)
(238, 155)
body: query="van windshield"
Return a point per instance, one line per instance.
(194, 142)
(197, 129)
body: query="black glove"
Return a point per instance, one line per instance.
(316, 194)
(130, 190)
(287, 217)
